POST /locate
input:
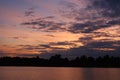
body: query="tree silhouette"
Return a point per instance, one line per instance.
(58, 61)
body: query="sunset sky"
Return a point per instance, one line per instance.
(68, 27)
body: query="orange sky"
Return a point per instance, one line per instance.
(38, 26)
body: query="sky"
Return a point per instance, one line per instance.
(68, 27)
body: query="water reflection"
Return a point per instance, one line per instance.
(101, 74)
(46, 73)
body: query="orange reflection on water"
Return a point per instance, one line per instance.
(57, 73)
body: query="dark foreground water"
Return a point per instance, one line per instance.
(52, 73)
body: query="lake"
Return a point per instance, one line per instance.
(58, 73)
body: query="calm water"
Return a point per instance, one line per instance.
(51, 73)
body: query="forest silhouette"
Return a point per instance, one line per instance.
(57, 61)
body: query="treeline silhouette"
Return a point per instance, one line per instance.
(57, 61)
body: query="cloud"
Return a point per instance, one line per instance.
(33, 47)
(30, 12)
(50, 35)
(51, 45)
(45, 25)
(15, 37)
(95, 49)
(95, 14)
(110, 8)
(2, 53)
(83, 27)
(87, 16)
(45, 46)
(62, 43)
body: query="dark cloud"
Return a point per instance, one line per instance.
(30, 12)
(26, 47)
(15, 37)
(110, 8)
(95, 49)
(84, 27)
(50, 35)
(18, 37)
(100, 44)
(34, 47)
(44, 46)
(45, 25)
(49, 17)
(77, 11)
(61, 43)
(90, 26)
(95, 15)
